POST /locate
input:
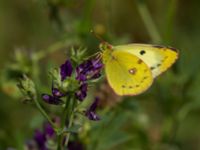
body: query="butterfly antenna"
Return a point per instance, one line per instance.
(97, 55)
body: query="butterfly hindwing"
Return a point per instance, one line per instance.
(127, 74)
(158, 58)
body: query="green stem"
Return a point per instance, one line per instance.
(66, 112)
(148, 21)
(65, 116)
(70, 121)
(59, 142)
(68, 116)
(44, 113)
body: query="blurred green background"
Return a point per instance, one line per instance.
(166, 117)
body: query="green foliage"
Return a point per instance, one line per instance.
(166, 117)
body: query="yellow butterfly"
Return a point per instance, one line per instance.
(130, 69)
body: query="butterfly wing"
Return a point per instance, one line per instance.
(158, 58)
(127, 74)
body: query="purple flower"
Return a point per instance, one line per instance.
(82, 92)
(40, 139)
(57, 93)
(54, 98)
(48, 130)
(75, 145)
(66, 70)
(51, 99)
(88, 70)
(90, 113)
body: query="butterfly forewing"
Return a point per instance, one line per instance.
(158, 58)
(127, 74)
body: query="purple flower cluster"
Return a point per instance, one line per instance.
(86, 71)
(65, 71)
(89, 70)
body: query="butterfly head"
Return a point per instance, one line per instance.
(105, 46)
(107, 50)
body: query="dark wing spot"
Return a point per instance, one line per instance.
(132, 71)
(142, 52)
(113, 58)
(145, 77)
(137, 85)
(158, 65)
(139, 61)
(130, 87)
(164, 49)
(123, 86)
(152, 68)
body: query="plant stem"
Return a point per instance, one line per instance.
(66, 112)
(44, 113)
(70, 121)
(67, 117)
(148, 21)
(59, 142)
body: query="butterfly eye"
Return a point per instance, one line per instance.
(108, 46)
(142, 52)
(105, 46)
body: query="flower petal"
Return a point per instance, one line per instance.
(40, 138)
(90, 113)
(89, 69)
(66, 70)
(48, 130)
(57, 93)
(51, 99)
(82, 92)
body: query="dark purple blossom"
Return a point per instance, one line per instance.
(90, 113)
(51, 99)
(40, 139)
(75, 145)
(89, 69)
(82, 92)
(48, 130)
(57, 93)
(66, 70)
(54, 98)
